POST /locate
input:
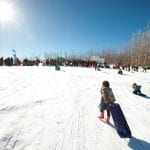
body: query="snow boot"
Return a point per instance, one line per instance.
(107, 119)
(101, 115)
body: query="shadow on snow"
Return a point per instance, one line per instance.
(138, 144)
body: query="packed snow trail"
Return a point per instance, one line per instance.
(44, 109)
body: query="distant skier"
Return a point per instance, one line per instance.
(107, 97)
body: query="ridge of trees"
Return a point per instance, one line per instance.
(137, 52)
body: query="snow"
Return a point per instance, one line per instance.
(45, 109)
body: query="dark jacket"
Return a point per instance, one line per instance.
(136, 87)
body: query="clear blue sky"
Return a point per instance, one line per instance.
(41, 26)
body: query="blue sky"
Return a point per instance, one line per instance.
(55, 26)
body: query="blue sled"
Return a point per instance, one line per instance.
(120, 122)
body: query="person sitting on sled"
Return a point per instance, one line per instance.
(136, 89)
(107, 97)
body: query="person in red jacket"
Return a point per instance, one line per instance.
(107, 97)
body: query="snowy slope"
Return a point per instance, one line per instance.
(44, 109)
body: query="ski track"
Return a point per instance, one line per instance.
(44, 109)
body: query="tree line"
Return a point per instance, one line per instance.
(137, 52)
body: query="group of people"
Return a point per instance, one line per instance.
(107, 97)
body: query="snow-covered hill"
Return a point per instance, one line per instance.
(44, 109)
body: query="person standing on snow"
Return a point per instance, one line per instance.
(107, 97)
